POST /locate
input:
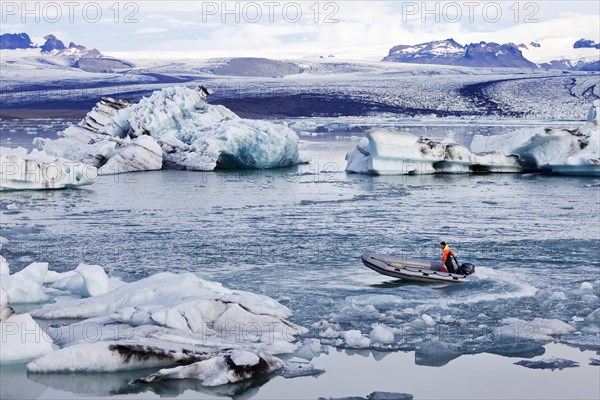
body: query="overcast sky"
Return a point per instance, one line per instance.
(286, 29)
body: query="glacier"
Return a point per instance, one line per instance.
(173, 128)
(555, 151)
(21, 170)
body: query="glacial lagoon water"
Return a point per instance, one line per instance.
(296, 235)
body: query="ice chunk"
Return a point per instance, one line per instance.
(95, 280)
(428, 320)
(21, 170)
(115, 356)
(381, 334)
(393, 153)
(219, 370)
(139, 154)
(537, 329)
(22, 339)
(26, 286)
(309, 349)
(4, 270)
(389, 396)
(550, 363)
(295, 368)
(5, 309)
(557, 151)
(586, 286)
(190, 133)
(355, 339)
(375, 396)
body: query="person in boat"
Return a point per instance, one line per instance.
(448, 258)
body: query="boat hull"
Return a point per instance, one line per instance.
(411, 270)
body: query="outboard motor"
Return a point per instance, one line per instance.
(466, 269)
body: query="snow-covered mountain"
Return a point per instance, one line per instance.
(54, 52)
(586, 44)
(55, 46)
(12, 41)
(450, 52)
(583, 55)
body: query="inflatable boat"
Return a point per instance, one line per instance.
(415, 270)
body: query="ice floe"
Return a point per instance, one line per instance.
(22, 170)
(228, 367)
(172, 128)
(22, 338)
(26, 286)
(191, 327)
(550, 363)
(556, 151)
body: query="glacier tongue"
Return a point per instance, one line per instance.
(174, 128)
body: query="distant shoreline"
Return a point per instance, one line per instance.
(27, 113)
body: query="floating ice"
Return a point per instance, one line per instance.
(375, 396)
(537, 329)
(550, 363)
(391, 153)
(5, 309)
(4, 270)
(428, 320)
(108, 356)
(222, 369)
(85, 281)
(381, 334)
(295, 368)
(22, 338)
(586, 286)
(557, 151)
(355, 339)
(22, 170)
(174, 128)
(26, 286)
(309, 349)
(161, 321)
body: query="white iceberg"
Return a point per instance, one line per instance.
(556, 151)
(165, 320)
(382, 334)
(22, 338)
(4, 269)
(22, 170)
(26, 286)
(355, 339)
(160, 321)
(173, 128)
(225, 368)
(85, 281)
(402, 153)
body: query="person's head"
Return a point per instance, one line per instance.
(443, 244)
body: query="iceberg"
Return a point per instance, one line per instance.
(26, 286)
(555, 151)
(22, 170)
(225, 368)
(550, 363)
(173, 128)
(22, 338)
(165, 320)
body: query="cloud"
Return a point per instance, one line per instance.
(149, 31)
